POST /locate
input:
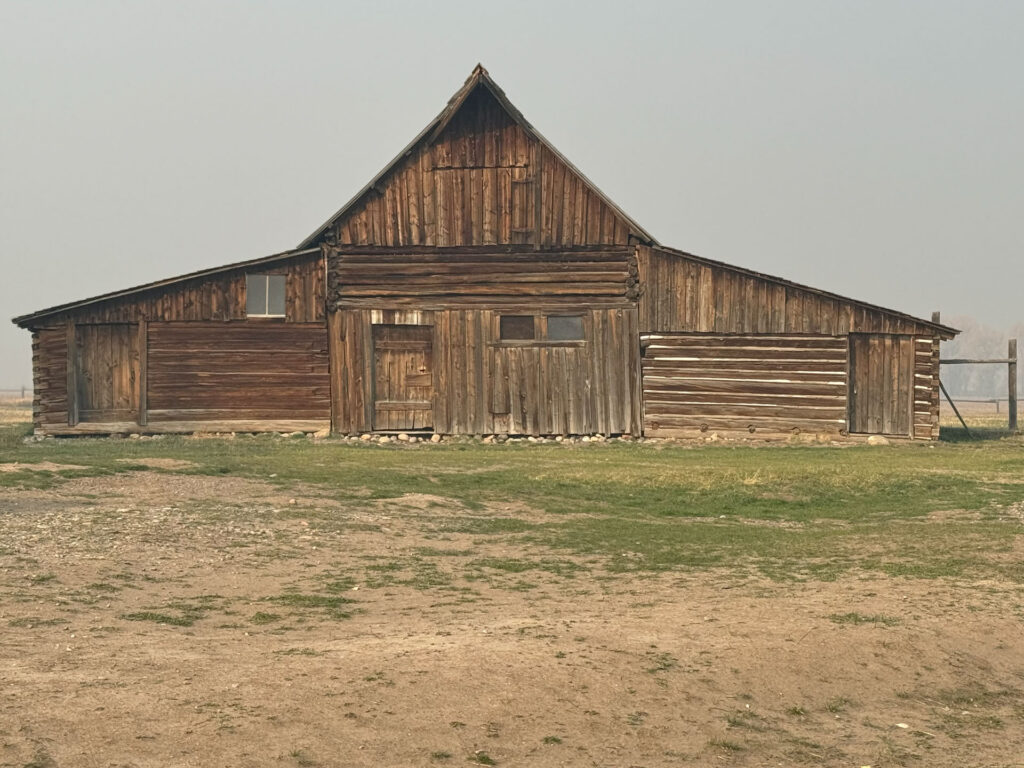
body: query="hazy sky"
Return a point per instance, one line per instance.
(875, 149)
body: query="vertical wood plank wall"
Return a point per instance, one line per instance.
(483, 386)
(218, 297)
(681, 294)
(107, 370)
(483, 180)
(882, 381)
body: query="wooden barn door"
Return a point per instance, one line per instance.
(403, 377)
(107, 373)
(881, 384)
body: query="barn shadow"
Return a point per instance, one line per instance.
(958, 434)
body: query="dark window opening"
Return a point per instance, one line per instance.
(565, 328)
(517, 328)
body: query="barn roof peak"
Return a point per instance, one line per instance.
(478, 78)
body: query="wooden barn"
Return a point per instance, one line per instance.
(480, 284)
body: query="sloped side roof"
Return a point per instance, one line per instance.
(944, 331)
(26, 321)
(478, 78)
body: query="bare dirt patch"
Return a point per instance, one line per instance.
(40, 466)
(154, 619)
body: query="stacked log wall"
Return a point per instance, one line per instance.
(481, 277)
(50, 378)
(926, 388)
(756, 385)
(237, 372)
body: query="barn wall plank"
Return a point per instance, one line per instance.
(725, 300)
(775, 383)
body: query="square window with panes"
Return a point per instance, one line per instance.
(264, 296)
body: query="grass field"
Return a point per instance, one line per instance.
(273, 601)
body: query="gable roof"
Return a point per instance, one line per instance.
(479, 78)
(26, 321)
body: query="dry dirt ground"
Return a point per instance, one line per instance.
(159, 619)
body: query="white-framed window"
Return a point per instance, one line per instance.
(264, 296)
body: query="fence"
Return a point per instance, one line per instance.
(1010, 361)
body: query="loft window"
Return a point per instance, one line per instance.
(264, 295)
(517, 328)
(565, 328)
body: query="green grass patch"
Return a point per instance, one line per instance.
(787, 512)
(160, 618)
(859, 618)
(260, 617)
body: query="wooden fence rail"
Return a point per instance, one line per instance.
(1010, 361)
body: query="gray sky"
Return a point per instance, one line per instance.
(870, 148)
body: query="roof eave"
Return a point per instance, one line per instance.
(945, 332)
(27, 321)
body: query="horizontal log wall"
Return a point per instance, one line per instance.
(432, 279)
(753, 384)
(215, 297)
(680, 294)
(476, 183)
(926, 389)
(237, 371)
(50, 378)
(483, 386)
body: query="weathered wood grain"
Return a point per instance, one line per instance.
(751, 383)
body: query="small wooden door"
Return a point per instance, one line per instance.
(107, 372)
(403, 377)
(881, 384)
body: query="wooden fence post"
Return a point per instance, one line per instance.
(1011, 409)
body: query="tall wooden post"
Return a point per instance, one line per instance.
(1012, 406)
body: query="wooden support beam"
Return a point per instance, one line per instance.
(1012, 406)
(955, 410)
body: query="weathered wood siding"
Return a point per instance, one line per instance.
(926, 388)
(106, 372)
(481, 277)
(403, 379)
(214, 297)
(766, 384)
(681, 294)
(882, 377)
(482, 385)
(483, 180)
(237, 371)
(50, 378)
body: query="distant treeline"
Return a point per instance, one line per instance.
(978, 340)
